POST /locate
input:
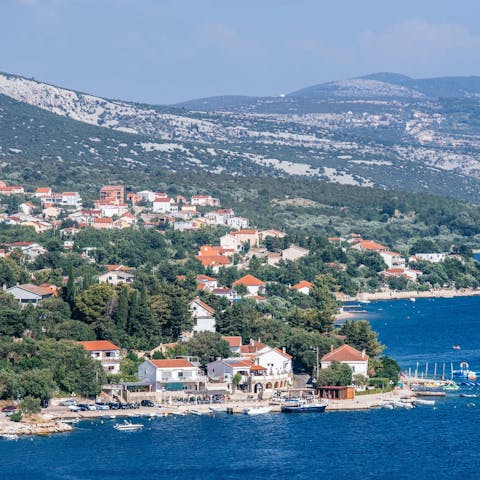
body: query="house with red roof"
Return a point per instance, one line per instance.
(356, 360)
(262, 368)
(164, 205)
(29, 294)
(174, 374)
(246, 236)
(253, 285)
(203, 316)
(370, 246)
(105, 352)
(303, 287)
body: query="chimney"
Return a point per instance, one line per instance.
(331, 347)
(284, 350)
(363, 353)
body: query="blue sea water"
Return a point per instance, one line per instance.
(440, 442)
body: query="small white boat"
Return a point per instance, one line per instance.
(10, 436)
(406, 406)
(387, 406)
(196, 412)
(128, 426)
(69, 420)
(257, 410)
(421, 401)
(413, 299)
(218, 409)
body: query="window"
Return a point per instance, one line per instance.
(180, 374)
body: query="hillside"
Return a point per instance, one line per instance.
(383, 131)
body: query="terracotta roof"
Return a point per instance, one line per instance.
(163, 200)
(241, 362)
(205, 278)
(43, 190)
(249, 281)
(208, 261)
(256, 368)
(370, 245)
(244, 232)
(42, 291)
(284, 354)
(233, 341)
(111, 187)
(302, 284)
(252, 347)
(392, 254)
(98, 345)
(172, 363)
(345, 353)
(70, 194)
(102, 220)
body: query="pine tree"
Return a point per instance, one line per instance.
(121, 316)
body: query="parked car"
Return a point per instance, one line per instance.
(68, 402)
(9, 408)
(147, 403)
(84, 407)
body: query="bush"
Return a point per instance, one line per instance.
(30, 405)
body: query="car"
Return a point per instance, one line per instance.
(68, 402)
(74, 408)
(84, 407)
(147, 403)
(9, 408)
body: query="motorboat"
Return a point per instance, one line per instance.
(469, 395)
(421, 401)
(406, 406)
(456, 347)
(9, 436)
(128, 426)
(387, 406)
(257, 410)
(218, 409)
(304, 406)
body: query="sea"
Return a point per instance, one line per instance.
(440, 442)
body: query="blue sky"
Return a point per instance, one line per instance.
(165, 51)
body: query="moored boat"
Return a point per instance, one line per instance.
(421, 401)
(257, 410)
(304, 406)
(128, 426)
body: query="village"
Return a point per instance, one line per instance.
(253, 370)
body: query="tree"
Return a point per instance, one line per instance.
(361, 336)
(121, 316)
(325, 306)
(388, 368)
(337, 374)
(208, 346)
(95, 302)
(30, 405)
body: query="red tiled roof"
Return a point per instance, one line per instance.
(208, 308)
(233, 341)
(370, 245)
(256, 368)
(249, 281)
(102, 220)
(244, 232)
(172, 363)
(345, 353)
(302, 284)
(98, 345)
(284, 354)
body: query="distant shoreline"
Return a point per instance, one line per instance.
(396, 295)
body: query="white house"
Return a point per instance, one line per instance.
(171, 375)
(71, 199)
(148, 195)
(429, 257)
(116, 277)
(230, 242)
(237, 222)
(303, 287)
(393, 259)
(105, 352)
(203, 316)
(253, 285)
(205, 201)
(356, 360)
(164, 205)
(30, 294)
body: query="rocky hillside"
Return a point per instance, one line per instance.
(383, 130)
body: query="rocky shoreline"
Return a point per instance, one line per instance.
(34, 426)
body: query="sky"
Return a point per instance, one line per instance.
(167, 51)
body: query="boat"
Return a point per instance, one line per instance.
(128, 426)
(456, 347)
(69, 420)
(469, 395)
(365, 301)
(218, 409)
(451, 387)
(196, 412)
(387, 406)
(9, 436)
(413, 299)
(304, 406)
(257, 410)
(421, 401)
(428, 393)
(406, 406)
(465, 372)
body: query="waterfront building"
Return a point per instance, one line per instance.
(356, 360)
(107, 353)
